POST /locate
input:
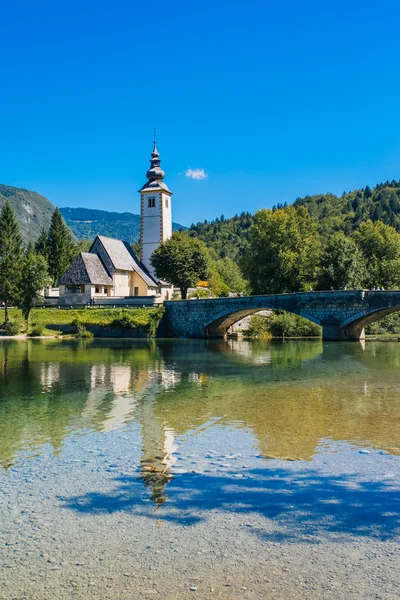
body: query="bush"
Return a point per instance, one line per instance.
(12, 328)
(37, 330)
(83, 332)
(139, 319)
(259, 327)
(200, 293)
(281, 324)
(288, 325)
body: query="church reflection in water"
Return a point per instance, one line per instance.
(291, 397)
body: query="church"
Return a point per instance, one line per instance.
(111, 273)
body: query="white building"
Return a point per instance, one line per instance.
(110, 273)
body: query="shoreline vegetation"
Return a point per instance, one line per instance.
(85, 323)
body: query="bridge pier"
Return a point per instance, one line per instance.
(333, 332)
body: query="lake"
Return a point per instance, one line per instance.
(171, 468)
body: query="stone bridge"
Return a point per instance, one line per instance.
(341, 314)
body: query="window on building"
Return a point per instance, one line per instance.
(152, 202)
(166, 203)
(97, 290)
(75, 289)
(136, 292)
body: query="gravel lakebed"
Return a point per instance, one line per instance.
(83, 521)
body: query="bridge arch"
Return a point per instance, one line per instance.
(366, 317)
(220, 325)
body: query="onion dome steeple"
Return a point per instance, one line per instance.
(155, 172)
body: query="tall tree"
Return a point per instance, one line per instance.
(34, 278)
(182, 260)
(41, 242)
(284, 251)
(10, 258)
(59, 247)
(342, 264)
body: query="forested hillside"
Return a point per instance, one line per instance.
(229, 237)
(346, 213)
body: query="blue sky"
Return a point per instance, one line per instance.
(273, 100)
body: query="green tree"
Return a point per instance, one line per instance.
(284, 251)
(216, 284)
(342, 264)
(380, 246)
(10, 258)
(41, 243)
(34, 278)
(59, 247)
(182, 260)
(231, 275)
(367, 192)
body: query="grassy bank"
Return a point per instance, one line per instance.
(56, 321)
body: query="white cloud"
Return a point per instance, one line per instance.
(196, 174)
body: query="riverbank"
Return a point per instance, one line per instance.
(87, 322)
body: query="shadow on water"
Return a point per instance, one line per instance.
(303, 505)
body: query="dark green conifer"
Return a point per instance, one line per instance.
(59, 247)
(10, 258)
(41, 242)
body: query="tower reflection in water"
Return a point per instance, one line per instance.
(158, 447)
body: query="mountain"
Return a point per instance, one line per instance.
(87, 223)
(229, 237)
(31, 209)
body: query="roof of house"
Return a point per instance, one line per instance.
(86, 268)
(123, 258)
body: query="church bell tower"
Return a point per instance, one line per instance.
(155, 211)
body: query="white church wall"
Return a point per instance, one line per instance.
(121, 283)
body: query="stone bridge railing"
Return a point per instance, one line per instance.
(341, 314)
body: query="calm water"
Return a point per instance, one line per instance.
(302, 435)
(290, 398)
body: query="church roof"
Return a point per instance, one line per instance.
(155, 186)
(124, 259)
(86, 268)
